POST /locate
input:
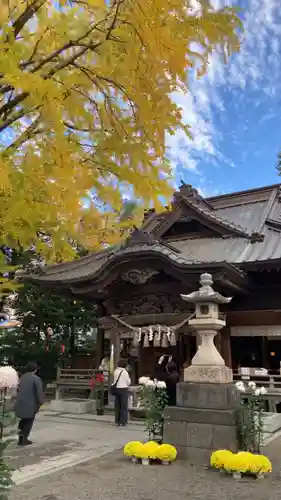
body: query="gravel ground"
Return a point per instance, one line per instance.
(114, 477)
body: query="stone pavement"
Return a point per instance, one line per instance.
(61, 441)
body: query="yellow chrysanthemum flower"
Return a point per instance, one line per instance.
(167, 452)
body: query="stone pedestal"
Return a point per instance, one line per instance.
(75, 406)
(203, 421)
(208, 374)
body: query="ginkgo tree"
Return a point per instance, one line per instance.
(85, 109)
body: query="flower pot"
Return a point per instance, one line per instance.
(135, 460)
(236, 475)
(223, 472)
(260, 475)
(100, 411)
(165, 462)
(145, 461)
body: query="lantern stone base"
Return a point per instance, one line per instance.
(203, 421)
(208, 374)
(75, 406)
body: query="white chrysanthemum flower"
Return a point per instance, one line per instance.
(160, 384)
(252, 385)
(143, 380)
(257, 392)
(150, 383)
(263, 391)
(240, 386)
(8, 377)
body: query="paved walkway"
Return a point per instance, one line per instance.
(61, 441)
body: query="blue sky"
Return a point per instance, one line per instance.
(235, 110)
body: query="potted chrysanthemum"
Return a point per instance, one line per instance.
(153, 399)
(250, 422)
(132, 450)
(219, 458)
(167, 454)
(241, 464)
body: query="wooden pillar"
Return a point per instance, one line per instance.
(264, 353)
(115, 340)
(100, 347)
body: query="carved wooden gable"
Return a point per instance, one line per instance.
(139, 276)
(147, 304)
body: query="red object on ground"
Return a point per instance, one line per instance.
(62, 348)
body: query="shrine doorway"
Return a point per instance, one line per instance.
(182, 354)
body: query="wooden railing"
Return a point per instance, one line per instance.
(76, 379)
(270, 379)
(77, 375)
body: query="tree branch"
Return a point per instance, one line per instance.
(9, 106)
(29, 12)
(20, 114)
(25, 136)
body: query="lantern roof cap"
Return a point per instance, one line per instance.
(206, 292)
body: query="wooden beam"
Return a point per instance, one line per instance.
(236, 287)
(253, 318)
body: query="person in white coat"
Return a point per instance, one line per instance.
(122, 380)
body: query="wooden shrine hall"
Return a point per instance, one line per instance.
(236, 237)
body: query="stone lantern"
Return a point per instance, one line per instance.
(204, 419)
(207, 366)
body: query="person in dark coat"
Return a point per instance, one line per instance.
(160, 371)
(29, 399)
(171, 383)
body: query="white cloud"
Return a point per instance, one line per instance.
(256, 67)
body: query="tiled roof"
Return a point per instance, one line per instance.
(233, 250)
(245, 217)
(91, 265)
(215, 216)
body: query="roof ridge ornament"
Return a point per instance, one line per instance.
(257, 237)
(192, 194)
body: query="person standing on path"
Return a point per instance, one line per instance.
(122, 381)
(171, 383)
(29, 399)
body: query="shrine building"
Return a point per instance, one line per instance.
(235, 237)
